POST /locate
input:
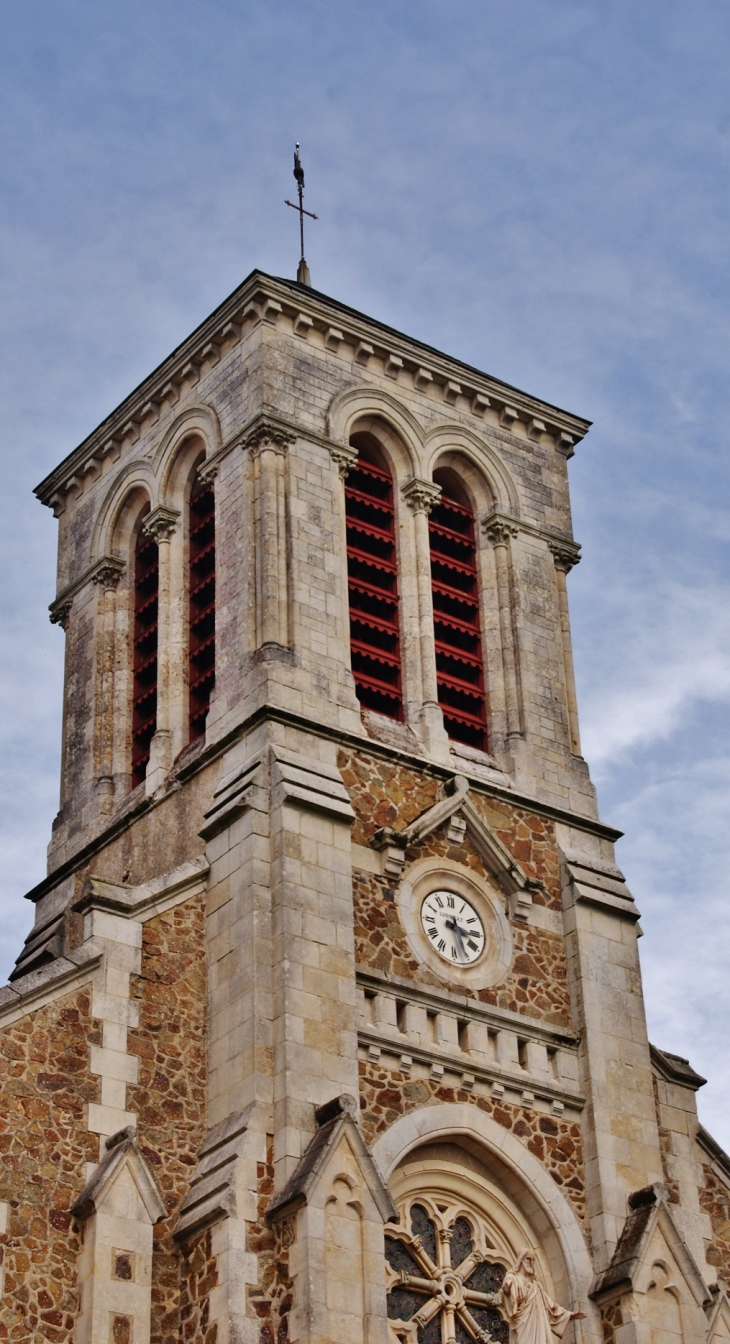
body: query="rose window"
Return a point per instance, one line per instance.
(443, 1278)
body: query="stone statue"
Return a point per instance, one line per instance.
(532, 1315)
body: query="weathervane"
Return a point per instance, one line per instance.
(302, 269)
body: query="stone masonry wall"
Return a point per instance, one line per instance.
(387, 1094)
(386, 794)
(169, 1098)
(715, 1200)
(270, 1300)
(44, 1145)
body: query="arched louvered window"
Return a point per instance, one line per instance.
(373, 581)
(457, 627)
(144, 694)
(201, 627)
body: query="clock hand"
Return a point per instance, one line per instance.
(452, 924)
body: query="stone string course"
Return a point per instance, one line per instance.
(387, 1094)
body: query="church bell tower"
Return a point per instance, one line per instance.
(330, 1027)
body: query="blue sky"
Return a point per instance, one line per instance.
(541, 189)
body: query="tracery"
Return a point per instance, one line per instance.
(442, 1272)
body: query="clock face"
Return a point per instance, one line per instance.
(453, 928)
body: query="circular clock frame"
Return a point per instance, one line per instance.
(442, 875)
(454, 927)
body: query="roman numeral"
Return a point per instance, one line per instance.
(442, 945)
(454, 954)
(450, 902)
(433, 933)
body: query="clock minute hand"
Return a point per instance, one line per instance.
(452, 924)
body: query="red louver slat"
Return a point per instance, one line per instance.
(201, 621)
(373, 584)
(459, 662)
(144, 691)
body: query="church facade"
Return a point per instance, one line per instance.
(330, 1028)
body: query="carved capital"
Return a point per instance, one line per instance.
(108, 571)
(344, 457)
(498, 528)
(420, 495)
(566, 554)
(267, 434)
(207, 471)
(161, 523)
(59, 612)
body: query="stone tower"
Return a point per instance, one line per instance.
(332, 1003)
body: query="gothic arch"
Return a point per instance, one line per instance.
(528, 1184)
(360, 407)
(197, 422)
(111, 533)
(456, 441)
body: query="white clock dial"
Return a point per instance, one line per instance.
(453, 928)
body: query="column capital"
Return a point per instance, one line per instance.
(60, 611)
(208, 470)
(566, 554)
(499, 527)
(344, 456)
(108, 571)
(421, 495)
(268, 433)
(161, 523)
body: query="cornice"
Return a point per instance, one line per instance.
(106, 571)
(264, 299)
(500, 526)
(576, 820)
(674, 1069)
(448, 1000)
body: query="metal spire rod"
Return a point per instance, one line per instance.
(303, 269)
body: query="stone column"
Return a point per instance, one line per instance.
(268, 447)
(344, 458)
(421, 496)
(106, 576)
(565, 557)
(60, 614)
(499, 531)
(161, 524)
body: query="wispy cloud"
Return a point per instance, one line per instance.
(662, 649)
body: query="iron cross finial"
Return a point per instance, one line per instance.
(303, 269)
